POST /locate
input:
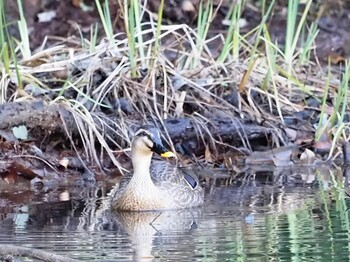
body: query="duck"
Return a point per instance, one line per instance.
(153, 184)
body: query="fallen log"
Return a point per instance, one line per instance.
(51, 117)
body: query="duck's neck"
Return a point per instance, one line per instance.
(141, 162)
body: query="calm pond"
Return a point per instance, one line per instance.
(297, 215)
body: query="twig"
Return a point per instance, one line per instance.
(33, 253)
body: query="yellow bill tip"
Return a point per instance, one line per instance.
(168, 154)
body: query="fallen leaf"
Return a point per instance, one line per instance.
(12, 173)
(307, 157)
(46, 16)
(10, 176)
(25, 171)
(187, 6)
(280, 156)
(72, 162)
(20, 132)
(336, 58)
(207, 155)
(64, 162)
(64, 196)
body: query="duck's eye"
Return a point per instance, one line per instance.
(142, 133)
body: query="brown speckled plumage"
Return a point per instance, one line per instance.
(155, 186)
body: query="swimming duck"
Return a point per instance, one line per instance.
(155, 185)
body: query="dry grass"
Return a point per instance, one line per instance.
(89, 82)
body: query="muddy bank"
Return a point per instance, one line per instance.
(55, 132)
(77, 103)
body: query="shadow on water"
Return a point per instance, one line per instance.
(298, 214)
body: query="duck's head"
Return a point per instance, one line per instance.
(147, 140)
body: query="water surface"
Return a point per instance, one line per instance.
(285, 216)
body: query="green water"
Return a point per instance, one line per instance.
(276, 217)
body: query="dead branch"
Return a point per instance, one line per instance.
(13, 250)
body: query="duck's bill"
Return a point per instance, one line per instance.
(168, 154)
(162, 151)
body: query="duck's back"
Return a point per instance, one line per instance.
(181, 185)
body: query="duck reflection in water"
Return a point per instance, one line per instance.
(149, 230)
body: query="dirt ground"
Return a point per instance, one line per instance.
(66, 19)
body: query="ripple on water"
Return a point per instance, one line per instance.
(284, 224)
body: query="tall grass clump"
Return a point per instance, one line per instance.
(8, 49)
(271, 57)
(93, 37)
(204, 19)
(333, 126)
(105, 16)
(23, 31)
(233, 39)
(293, 31)
(307, 44)
(340, 107)
(254, 51)
(133, 29)
(4, 52)
(159, 26)
(131, 11)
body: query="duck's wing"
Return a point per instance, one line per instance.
(120, 188)
(181, 185)
(164, 173)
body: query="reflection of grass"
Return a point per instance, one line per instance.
(171, 70)
(341, 204)
(300, 224)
